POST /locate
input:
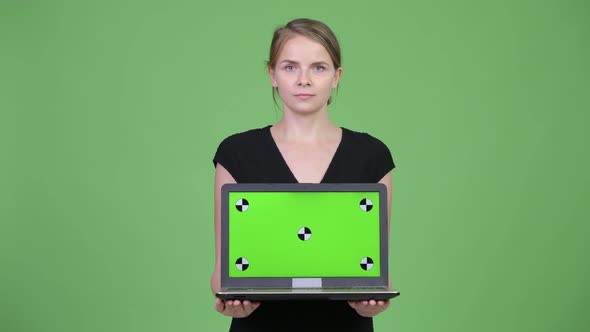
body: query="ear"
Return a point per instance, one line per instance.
(337, 76)
(273, 80)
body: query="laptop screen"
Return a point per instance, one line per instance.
(304, 231)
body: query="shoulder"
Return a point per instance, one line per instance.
(371, 151)
(361, 157)
(247, 155)
(247, 136)
(365, 141)
(240, 148)
(243, 141)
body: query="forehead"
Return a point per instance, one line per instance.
(303, 49)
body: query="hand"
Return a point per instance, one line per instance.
(236, 308)
(369, 308)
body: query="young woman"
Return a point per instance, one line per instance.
(306, 147)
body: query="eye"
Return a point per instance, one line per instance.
(289, 67)
(319, 68)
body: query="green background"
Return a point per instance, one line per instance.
(111, 112)
(342, 234)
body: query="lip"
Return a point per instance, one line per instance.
(304, 95)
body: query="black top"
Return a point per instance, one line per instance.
(253, 157)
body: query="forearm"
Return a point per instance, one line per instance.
(216, 280)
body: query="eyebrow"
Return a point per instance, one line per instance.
(314, 63)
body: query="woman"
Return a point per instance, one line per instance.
(306, 147)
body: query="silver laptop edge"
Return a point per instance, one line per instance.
(312, 282)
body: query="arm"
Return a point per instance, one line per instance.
(231, 308)
(222, 176)
(387, 181)
(371, 308)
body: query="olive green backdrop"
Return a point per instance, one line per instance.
(111, 112)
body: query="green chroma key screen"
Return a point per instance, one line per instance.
(304, 234)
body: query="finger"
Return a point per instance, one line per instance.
(356, 304)
(219, 305)
(231, 305)
(361, 304)
(232, 308)
(252, 306)
(240, 311)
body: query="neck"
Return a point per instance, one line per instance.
(305, 127)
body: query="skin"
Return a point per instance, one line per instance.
(305, 77)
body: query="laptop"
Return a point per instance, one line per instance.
(290, 241)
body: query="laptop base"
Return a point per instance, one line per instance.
(307, 294)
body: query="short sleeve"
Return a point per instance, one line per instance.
(226, 155)
(382, 160)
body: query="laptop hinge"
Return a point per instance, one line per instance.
(307, 282)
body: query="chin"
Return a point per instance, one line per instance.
(303, 111)
(306, 109)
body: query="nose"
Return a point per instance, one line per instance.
(304, 79)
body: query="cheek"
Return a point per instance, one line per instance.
(282, 81)
(329, 85)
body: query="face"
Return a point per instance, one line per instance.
(304, 75)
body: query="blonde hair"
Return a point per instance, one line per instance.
(313, 29)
